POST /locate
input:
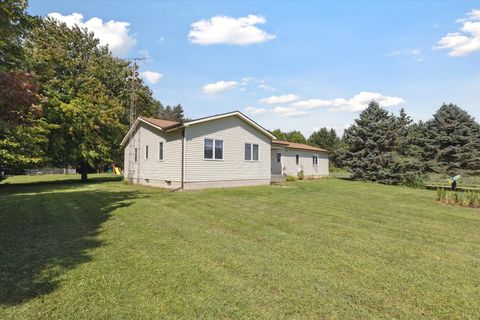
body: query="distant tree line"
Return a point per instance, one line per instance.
(64, 100)
(392, 149)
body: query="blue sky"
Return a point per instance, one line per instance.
(294, 65)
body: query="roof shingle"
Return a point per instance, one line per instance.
(300, 146)
(162, 123)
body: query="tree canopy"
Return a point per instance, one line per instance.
(64, 99)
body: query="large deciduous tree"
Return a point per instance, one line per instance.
(295, 136)
(87, 94)
(23, 133)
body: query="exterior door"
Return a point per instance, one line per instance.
(277, 162)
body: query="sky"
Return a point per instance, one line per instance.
(293, 65)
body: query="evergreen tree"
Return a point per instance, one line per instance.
(372, 148)
(171, 113)
(324, 138)
(454, 137)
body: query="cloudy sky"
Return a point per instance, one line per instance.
(293, 65)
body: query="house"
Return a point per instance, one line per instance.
(224, 150)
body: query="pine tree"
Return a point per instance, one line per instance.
(324, 138)
(171, 113)
(374, 147)
(454, 138)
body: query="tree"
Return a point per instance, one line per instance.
(87, 95)
(22, 131)
(324, 138)
(279, 134)
(171, 113)
(295, 136)
(15, 23)
(372, 148)
(454, 139)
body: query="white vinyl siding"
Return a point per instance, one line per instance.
(156, 171)
(306, 161)
(233, 132)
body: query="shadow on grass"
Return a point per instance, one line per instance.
(44, 234)
(61, 181)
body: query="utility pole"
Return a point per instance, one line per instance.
(132, 150)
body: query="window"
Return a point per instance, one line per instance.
(248, 151)
(255, 152)
(251, 152)
(213, 149)
(135, 155)
(279, 157)
(146, 152)
(297, 159)
(218, 149)
(315, 160)
(160, 151)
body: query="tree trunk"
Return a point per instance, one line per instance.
(84, 172)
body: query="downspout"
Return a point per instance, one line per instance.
(182, 181)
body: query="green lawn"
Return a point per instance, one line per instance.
(313, 249)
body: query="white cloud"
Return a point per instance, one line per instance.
(229, 30)
(358, 103)
(256, 111)
(266, 87)
(287, 112)
(151, 76)
(467, 40)
(415, 53)
(113, 33)
(219, 86)
(287, 98)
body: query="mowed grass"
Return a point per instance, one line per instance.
(312, 249)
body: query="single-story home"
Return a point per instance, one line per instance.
(224, 150)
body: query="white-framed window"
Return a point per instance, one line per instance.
(251, 151)
(146, 152)
(160, 151)
(297, 159)
(213, 149)
(315, 160)
(136, 154)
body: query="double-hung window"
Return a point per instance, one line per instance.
(213, 149)
(160, 151)
(251, 152)
(315, 160)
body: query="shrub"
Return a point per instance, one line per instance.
(472, 198)
(301, 175)
(290, 178)
(441, 194)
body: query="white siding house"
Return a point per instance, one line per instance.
(208, 152)
(219, 151)
(232, 169)
(293, 158)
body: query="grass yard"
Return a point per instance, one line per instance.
(312, 249)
